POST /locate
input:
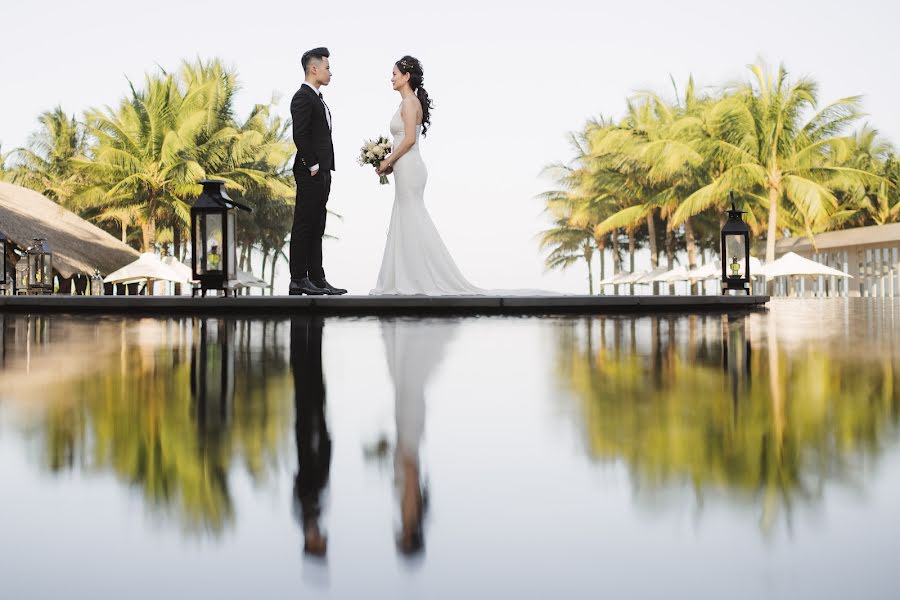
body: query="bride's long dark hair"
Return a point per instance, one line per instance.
(412, 66)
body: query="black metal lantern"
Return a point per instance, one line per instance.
(735, 252)
(40, 267)
(212, 372)
(214, 248)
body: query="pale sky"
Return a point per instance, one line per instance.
(508, 84)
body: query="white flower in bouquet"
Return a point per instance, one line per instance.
(373, 152)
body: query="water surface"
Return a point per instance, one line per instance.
(739, 456)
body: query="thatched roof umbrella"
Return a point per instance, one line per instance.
(78, 246)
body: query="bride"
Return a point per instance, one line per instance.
(416, 261)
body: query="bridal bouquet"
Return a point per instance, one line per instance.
(373, 152)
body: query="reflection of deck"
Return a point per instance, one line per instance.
(249, 306)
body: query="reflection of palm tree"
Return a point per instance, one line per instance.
(311, 428)
(137, 417)
(414, 350)
(769, 429)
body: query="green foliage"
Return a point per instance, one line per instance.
(791, 163)
(47, 163)
(162, 438)
(721, 408)
(133, 167)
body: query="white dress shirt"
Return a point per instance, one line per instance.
(315, 167)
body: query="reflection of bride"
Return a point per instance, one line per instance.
(414, 351)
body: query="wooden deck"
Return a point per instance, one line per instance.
(249, 306)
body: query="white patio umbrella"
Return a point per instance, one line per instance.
(613, 280)
(756, 267)
(710, 270)
(147, 266)
(679, 273)
(179, 267)
(794, 264)
(246, 279)
(651, 276)
(635, 277)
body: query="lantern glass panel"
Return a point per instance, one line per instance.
(46, 269)
(22, 274)
(213, 373)
(209, 236)
(35, 266)
(735, 256)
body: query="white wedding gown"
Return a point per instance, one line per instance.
(416, 261)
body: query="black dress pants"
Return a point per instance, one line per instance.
(309, 224)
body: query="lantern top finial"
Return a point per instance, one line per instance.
(734, 213)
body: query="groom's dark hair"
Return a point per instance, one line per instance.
(309, 55)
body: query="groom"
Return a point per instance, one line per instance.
(312, 172)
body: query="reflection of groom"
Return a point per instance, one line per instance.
(312, 172)
(311, 429)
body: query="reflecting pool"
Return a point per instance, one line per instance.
(709, 456)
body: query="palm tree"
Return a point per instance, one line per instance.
(770, 154)
(568, 245)
(572, 206)
(143, 156)
(46, 164)
(874, 202)
(151, 151)
(269, 151)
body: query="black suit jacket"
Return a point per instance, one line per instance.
(312, 135)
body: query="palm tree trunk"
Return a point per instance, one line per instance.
(631, 245)
(616, 261)
(588, 255)
(151, 228)
(691, 252)
(774, 194)
(601, 246)
(670, 255)
(265, 259)
(654, 251)
(124, 232)
(272, 273)
(176, 240)
(616, 265)
(242, 261)
(148, 233)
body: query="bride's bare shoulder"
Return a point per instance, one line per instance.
(409, 103)
(411, 106)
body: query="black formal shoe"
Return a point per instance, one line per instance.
(305, 286)
(330, 289)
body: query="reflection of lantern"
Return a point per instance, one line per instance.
(735, 252)
(214, 248)
(736, 353)
(96, 283)
(40, 267)
(212, 372)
